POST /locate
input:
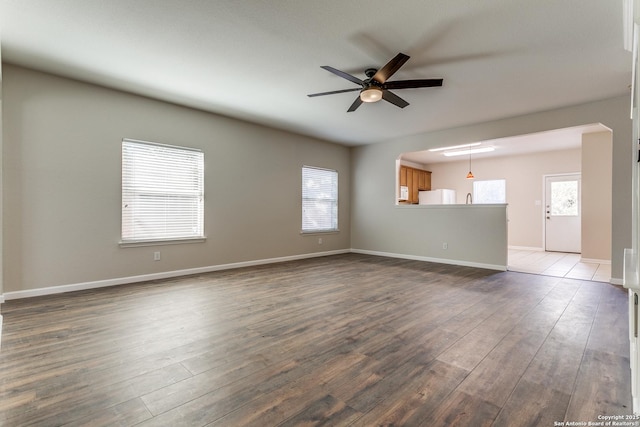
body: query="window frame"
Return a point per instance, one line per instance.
(334, 202)
(131, 239)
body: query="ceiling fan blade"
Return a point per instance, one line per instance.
(334, 91)
(394, 99)
(343, 75)
(409, 84)
(355, 105)
(383, 74)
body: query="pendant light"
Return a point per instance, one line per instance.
(470, 174)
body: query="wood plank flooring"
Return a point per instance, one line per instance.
(350, 340)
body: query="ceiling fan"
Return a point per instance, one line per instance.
(376, 87)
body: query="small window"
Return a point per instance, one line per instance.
(319, 200)
(490, 191)
(162, 192)
(564, 198)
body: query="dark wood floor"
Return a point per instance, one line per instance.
(342, 340)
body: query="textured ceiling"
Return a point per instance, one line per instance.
(257, 60)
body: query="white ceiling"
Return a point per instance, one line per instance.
(552, 140)
(257, 60)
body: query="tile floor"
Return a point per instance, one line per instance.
(557, 264)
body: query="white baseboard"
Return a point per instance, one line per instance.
(596, 261)
(155, 276)
(526, 248)
(176, 273)
(430, 259)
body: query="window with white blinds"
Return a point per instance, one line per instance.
(162, 192)
(319, 200)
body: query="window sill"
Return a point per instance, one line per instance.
(312, 232)
(139, 243)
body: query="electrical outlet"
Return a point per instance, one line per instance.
(156, 256)
(445, 246)
(319, 240)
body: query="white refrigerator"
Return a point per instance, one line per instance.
(437, 197)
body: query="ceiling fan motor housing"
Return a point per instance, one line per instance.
(370, 72)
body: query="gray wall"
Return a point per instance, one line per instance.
(472, 235)
(62, 188)
(376, 221)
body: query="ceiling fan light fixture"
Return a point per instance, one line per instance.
(371, 94)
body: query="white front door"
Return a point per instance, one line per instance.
(562, 213)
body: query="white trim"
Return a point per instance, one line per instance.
(158, 144)
(160, 242)
(430, 259)
(312, 232)
(155, 276)
(319, 168)
(177, 273)
(596, 261)
(526, 248)
(627, 29)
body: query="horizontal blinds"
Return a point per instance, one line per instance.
(319, 199)
(162, 192)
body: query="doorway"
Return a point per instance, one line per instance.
(561, 254)
(562, 222)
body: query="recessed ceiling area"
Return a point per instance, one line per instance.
(559, 139)
(257, 60)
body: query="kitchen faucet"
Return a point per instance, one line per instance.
(469, 199)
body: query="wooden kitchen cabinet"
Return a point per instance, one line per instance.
(424, 181)
(415, 180)
(403, 176)
(416, 183)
